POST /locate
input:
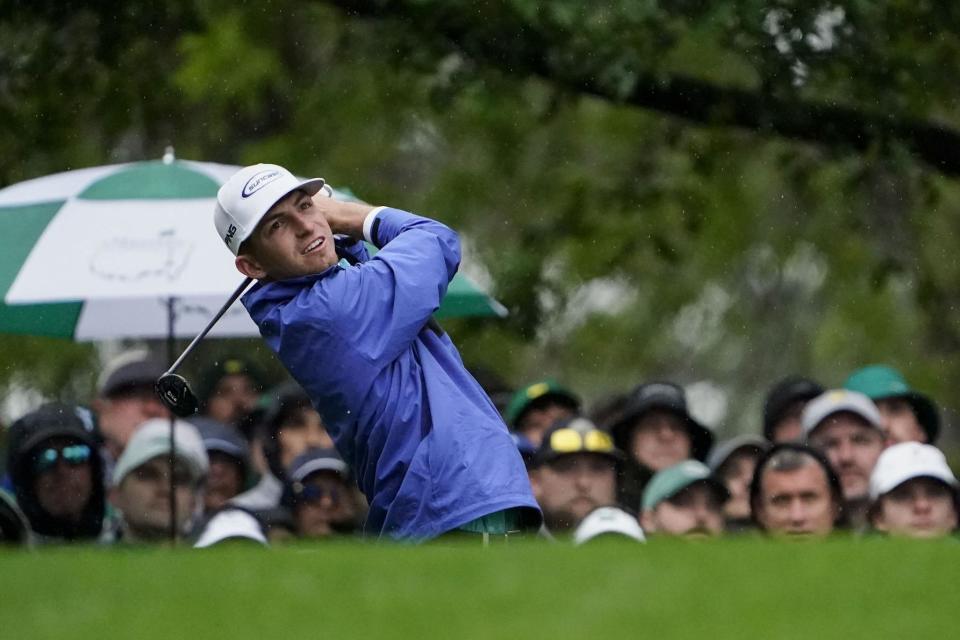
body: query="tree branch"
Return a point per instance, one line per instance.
(493, 34)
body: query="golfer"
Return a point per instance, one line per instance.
(429, 449)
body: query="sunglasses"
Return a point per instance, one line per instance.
(73, 455)
(313, 493)
(570, 441)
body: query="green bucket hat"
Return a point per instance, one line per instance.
(548, 388)
(881, 381)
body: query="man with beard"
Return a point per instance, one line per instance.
(847, 428)
(574, 472)
(684, 500)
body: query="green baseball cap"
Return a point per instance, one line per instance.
(882, 381)
(670, 481)
(548, 388)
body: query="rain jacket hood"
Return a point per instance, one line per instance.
(26, 437)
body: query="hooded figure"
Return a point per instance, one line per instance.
(53, 460)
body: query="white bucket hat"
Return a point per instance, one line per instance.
(247, 196)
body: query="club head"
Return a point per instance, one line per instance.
(177, 395)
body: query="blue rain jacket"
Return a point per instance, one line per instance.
(429, 449)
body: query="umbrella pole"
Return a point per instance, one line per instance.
(171, 355)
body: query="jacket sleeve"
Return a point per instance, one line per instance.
(383, 304)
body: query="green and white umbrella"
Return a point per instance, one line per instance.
(104, 252)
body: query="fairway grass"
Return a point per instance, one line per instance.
(746, 588)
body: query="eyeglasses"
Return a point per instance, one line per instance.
(74, 455)
(569, 440)
(315, 493)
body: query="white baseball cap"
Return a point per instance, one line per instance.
(837, 401)
(906, 461)
(247, 196)
(608, 521)
(152, 439)
(231, 524)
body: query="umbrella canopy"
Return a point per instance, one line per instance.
(98, 253)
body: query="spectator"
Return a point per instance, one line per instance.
(57, 474)
(536, 407)
(574, 472)
(604, 523)
(846, 426)
(229, 458)
(914, 492)
(684, 500)
(908, 416)
(733, 463)
(322, 496)
(126, 399)
(229, 390)
(795, 492)
(141, 482)
(783, 408)
(289, 428)
(656, 431)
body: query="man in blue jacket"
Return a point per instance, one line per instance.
(430, 451)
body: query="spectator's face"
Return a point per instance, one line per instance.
(144, 498)
(537, 420)
(736, 473)
(293, 239)
(63, 477)
(234, 396)
(303, 431)
(224, 480)
(119, 416)
(789, 428)
(572, 486)
(325, 502)
(852, 446)
(696, 510)
(659, 440)
(918, 508)
(796, 502)
(900, 422)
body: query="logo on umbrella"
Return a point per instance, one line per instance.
(136, 259)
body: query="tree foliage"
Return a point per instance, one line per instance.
(724, 192)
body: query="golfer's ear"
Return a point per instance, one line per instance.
(249, 267)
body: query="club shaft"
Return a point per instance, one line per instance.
(233, 298)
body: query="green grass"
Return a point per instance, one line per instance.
(728, 589)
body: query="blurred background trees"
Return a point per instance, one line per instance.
(719, 193)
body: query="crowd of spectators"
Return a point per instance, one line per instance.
(258, 466)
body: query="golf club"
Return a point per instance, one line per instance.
(173, 389)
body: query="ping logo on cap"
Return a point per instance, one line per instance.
(258, 181)
(231, 232)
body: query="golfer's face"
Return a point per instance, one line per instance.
(293, 239)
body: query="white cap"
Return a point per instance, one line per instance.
(906, 461)
(837, 401)
(152, 439)
(232, 524)
(605, 521)
(247, 196)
